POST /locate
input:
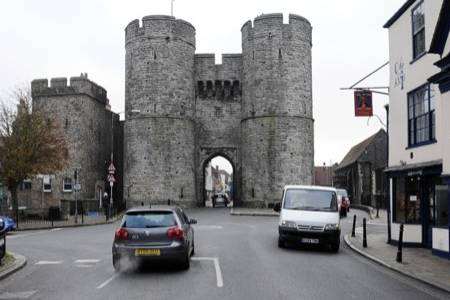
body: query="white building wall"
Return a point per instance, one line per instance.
(415, 75)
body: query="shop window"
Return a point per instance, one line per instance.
(47, 184)
(441, 205)
(418, 30)
(407, 200)
(421, 116)
(67, 184)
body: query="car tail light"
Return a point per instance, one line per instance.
(121, 234)
(175, 233)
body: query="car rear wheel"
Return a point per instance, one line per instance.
(116, 264)
(186, 263)
(281, 243)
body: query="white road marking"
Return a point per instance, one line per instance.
(18, 295)
(208, 227)
(219, 277)
(87, 261)
(49, 262)
(107, 281)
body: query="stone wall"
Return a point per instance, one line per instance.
(82, 111)
(160, 108)
(277, 126)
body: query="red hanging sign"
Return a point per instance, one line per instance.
(363, 103)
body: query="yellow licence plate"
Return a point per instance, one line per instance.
(147, 252)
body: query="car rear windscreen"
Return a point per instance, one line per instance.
(149, 219)
(315, 200)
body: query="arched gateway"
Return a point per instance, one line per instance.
(255, 109)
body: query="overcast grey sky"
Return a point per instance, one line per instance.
(57, 38)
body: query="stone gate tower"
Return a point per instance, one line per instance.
(159, 108)
(277, 126)
(182, 109)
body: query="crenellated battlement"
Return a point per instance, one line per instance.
(270, 24)
(161, 26)
(78, 85)
(219, 81)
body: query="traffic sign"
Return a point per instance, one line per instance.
(77, 187)
(111, 178)
(111, 169)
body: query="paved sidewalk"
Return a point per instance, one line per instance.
(18, 263)
(87, 221)
(263, 212)
(417, 263)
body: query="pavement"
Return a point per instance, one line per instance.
(70, 222)
(417, 263)
(238, 211)
(236, 258)
(18, 263)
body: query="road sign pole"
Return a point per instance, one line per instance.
(111, 198)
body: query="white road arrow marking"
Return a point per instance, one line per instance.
(219, 277)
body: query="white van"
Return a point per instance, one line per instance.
(309, 215)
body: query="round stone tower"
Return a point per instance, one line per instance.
(159, 107)
(277, 124)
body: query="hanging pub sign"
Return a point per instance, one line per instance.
(363, 103)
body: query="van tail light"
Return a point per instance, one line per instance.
(121, 234)
(175, 233)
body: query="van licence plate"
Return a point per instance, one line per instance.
(147, 252)
(310, 241)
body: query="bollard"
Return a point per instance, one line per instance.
(378, 208)
(354, 225)
(364, 233)
(400, 245)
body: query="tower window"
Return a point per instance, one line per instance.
(279, 54)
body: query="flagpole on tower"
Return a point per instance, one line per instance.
(171, 7)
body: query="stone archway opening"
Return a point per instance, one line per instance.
(218, 181)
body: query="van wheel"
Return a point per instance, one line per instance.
(335, 247)
(281, 243)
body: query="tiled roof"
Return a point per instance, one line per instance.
(355, 153)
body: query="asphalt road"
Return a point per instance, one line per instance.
(236, 258)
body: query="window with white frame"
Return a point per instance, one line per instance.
(25, 185)
(67, 184)
(418, 30)
(47, 184)
(421, 116)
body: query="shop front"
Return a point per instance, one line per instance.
(419, 199)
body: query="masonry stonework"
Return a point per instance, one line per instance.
(81, 109)
(182, 109)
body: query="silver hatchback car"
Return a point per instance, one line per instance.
(152, 234)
